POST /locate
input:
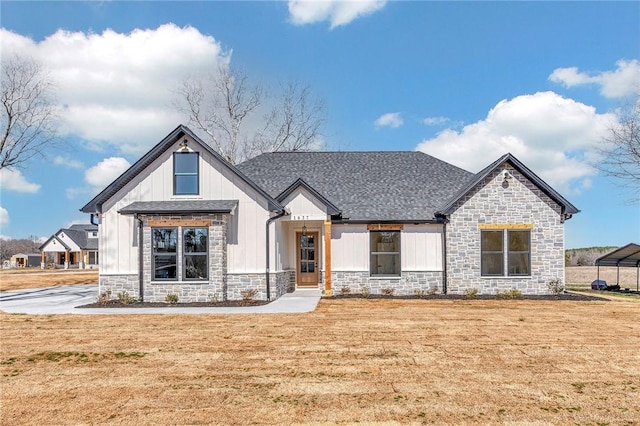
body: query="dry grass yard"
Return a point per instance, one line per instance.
(369, 361)
(14, 279)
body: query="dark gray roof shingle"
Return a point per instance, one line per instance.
(366, 186)
(182, 206)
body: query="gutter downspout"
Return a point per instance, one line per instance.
(444, 256)
(271, 219)
(140, 275)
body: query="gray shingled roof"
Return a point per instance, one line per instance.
(366, 186)
(78, 234)
(188, 206)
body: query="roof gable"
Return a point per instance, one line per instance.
(450, 206)
(300, 183)
(95, 205)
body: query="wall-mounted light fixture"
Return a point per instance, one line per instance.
(183, 146)
(506, 176)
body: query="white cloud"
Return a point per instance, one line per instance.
(552, 135)
(435, 121)
(67, 162)
(337, 12)
(116, 88)
(4, 217)
(13, 180)
(623, 81)
(390, 119)
(105, 172)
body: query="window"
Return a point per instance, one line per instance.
(518, 261)
(385, 253)
(185, 171)
(492, 253)
(518, 258)
(195, 253)
(164, 253)
(196, 261)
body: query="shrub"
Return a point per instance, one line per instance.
(419, 292)
(171, 298)
(555, 286)
(104, 297)
(345, 289)
(433, 290)
(248, 295)
(365, 291)
(388, 291)
(471, 293)
(513, 293)
(125, 298)
(215, 298)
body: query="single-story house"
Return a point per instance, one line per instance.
(184, 221)
(73, 247)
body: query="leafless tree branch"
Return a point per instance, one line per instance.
(221, 108)
(620, 150)
(28, 115)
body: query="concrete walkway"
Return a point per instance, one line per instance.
(64, 299)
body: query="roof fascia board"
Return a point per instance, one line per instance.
(95, 205)
(331, 208)
(403, 221)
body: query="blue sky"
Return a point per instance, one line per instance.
(463, 81)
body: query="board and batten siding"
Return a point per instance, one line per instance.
(304, 206)
(245, 238)
(420, 245)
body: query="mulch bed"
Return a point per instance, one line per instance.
(225, 304)
(242, 303)
(563, 296)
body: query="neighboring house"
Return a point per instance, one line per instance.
(22, 260)
(184, 221)
(73, 247)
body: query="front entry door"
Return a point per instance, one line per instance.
(307, 270)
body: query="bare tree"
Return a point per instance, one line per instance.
(226, 108)
(621, 149)
(28, 117)
(293, 124)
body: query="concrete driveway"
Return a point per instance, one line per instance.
(64, 299)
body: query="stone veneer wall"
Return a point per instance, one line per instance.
(408, 284)
(517, 202)
(220, 286)
(188, 291)
(280, 283)
(118, 283)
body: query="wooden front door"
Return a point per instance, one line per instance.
(307, 269)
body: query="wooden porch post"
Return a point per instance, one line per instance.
(327, 258)
(42, 260)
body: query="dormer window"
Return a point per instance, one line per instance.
(185, 173)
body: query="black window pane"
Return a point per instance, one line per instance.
(164, 267)
(492, 241)
(519, 264)
(164, 240)
(519, 240)
(311, 267)
(492, 264)
(195, 240)
(195, 267)
(385, 242)
(186, 184)
(385, 264)
(186, 162)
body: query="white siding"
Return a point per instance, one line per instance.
(349, 248)
(303, 205)
(245, 237)
(421, 248)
